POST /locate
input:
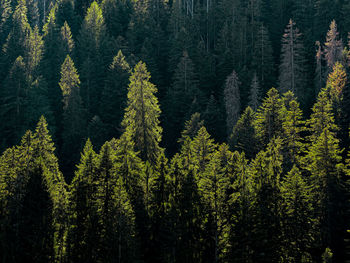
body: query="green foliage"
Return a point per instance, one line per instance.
(141, 121)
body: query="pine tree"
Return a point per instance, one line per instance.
(255, 94)
(73, 114)
(232, 101)
(141, 121)
(333, 46)
(292, 67)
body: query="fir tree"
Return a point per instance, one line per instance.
(73, 113)
(292, 67)
(141, 121)
(333, 46)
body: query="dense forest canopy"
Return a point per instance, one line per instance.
(174, 131)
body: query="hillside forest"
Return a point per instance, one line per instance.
(176, 131)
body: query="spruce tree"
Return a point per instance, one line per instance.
(114, 96)
(333, 46)
(141, 121)
(292, 67)
(92, 50)
(73, 114)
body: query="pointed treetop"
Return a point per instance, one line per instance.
(120, 61)
(333, 45)
(69, 78)
(66, 36)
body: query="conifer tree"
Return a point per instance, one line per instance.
(326, 172)
(13, 106)
(114, 95)
(192, 127)
(202, 149)
(212, 186)
(73, 113)
(83, 220)
(319, 69)
(263, 59)
(333, 46)
(244, 137)
(92, 49)
(183, 92)
(232, 101)
(298, 226)
(241, 202)
(293, 127)
(292, 67)
(16, 39)
(266, 170)
(268, 120)
(141, 121)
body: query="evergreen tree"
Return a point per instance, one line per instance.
(14, 102)
(73, 114)
(92, 49)
(83, 220)
(319, 69)
(333, 46)
(16, 39)
(268, 120)
(141, 121)
(244, 137)
(114, 96)
(298, 227)
(232, 100)
(183, 92)
(326, 172)
(263, 60)
(266, 170)
(292, 67)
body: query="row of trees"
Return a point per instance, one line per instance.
(282, 197)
